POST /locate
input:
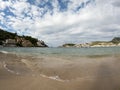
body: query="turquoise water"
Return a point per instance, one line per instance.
(63, 51)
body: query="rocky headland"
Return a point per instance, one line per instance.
(113, 43)
(8, 39)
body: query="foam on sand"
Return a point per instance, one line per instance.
(57, 78)
(5, 52)
(11, 71)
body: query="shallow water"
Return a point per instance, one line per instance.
(64, 52)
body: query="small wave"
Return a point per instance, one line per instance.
(5, 66)
(5, 52)
(57, 78)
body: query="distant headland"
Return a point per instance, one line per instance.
(113, 43)
(8, 39)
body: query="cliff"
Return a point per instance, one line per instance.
(14, 40)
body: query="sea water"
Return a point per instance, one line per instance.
(62, 52)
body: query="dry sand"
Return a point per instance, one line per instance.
(50, 73)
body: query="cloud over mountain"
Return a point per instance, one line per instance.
(62, 21)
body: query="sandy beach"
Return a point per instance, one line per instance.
(52, 73)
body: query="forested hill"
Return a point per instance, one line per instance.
(12, 39)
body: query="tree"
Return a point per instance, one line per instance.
(32, 40)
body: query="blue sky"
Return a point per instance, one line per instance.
(62, 21)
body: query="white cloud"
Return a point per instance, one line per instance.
(3, 4)
(96, 21)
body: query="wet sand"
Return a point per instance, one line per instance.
(50, 73)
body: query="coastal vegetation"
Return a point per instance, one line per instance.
(68, 44)
(116, 40)
(6, 35)
(12, 39)
(32, 40)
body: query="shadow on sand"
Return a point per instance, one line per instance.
(107, 78)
